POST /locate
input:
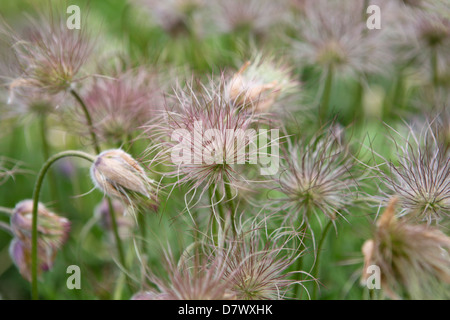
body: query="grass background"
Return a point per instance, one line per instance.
(125, 28)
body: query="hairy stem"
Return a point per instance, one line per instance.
(316, 269)
(36, 194)
(46, 154)
(98, 150)
(229, 197)
(88, 120)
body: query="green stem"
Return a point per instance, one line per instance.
(316, 270)
(46, 154)
(142, 230)
(326, 94)
(36, 194)
(98, 150)
(298, 275)
(88, 119)
(358, 110)
(230, 202)
(434, 68)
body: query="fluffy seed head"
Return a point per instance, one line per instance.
(316, 179)
(413, 259)
(50, 55)
(120, 106)
(254, 16)
(205, 138)
(198, 276)
(332, 34)
(257, 270)
(174, 16)
(259, 84)
(420, 177)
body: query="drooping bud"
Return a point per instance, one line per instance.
(20, 253)
(52, 229)
(120, 176)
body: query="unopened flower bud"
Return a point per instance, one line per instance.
(52, 229)
(118, 175)
(20, 253)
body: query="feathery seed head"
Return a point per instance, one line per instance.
(259, 84)
(317, 179)
(257, 270)
(120, 106)
(420, 177)
(50, 56)
(413, 259)
(199, 276)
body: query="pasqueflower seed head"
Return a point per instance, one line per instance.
(414, 259)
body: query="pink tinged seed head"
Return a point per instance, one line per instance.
(259, 84)
(257, 270)
(119, 107)
(205, 138)
(414, 259)
(333, 35)
(200, 276)
(420, 177)
(50, 56)
(317, 179)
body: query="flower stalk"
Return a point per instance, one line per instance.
(36, 194)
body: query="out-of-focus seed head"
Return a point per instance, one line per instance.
(254, 16)
(118, 175)
(174, 16)
(26, 101)
(53, 230)
(259, 84)
(414, 260)
(120, 106)
(332, 34)
(49, 55)
(419, 32)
